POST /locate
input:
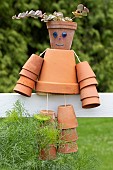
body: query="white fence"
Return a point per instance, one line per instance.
(35, 103)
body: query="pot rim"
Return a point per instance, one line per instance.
(67, 105)
(61, 24)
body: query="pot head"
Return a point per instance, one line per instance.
(61, 34)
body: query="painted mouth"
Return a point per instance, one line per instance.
(60, 44)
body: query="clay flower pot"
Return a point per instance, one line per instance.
(22, 89)
(26, 81)
(84, 71)
(87, 82)
(56, 77)
(88, 91)
(34, 64)
(90, 102)
(48, 153)
(28, 74)
(66, 117)
(68, 147)
(89, 97)
(69, 135)
(24, 86)
(61, 34)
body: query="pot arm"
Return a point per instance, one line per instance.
(28, 75)
(87, 83)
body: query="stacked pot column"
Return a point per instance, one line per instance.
(28, 75)
(67, 123)
(49, 152)
(87, 82)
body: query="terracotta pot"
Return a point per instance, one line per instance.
(66, 117)
(28, 74)
(22, 89)
(50, 113)
(69, 135)
(90, 102)
(56, 77)
(26, 81)
(87, 82)
(68, 147)
(48, 153)
(34, 64)
(88, 91)
(61, 34)
(84, 71)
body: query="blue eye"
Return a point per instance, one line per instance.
(55, 34)
(64, 34)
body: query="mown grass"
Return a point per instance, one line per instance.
(96, 138)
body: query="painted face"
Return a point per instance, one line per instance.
(60, 39)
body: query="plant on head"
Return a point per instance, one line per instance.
(80, 12)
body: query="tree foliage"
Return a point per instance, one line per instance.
(20, 38)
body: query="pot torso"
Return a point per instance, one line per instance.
(58, 74)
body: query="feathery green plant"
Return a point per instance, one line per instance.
(22, 137)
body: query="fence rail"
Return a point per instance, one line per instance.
(35, 103)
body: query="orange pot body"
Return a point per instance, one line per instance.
(34, 64)
(84, 71)
(48, 153)
(26, 81)
(22, 89)
(90, 102)
(58, 73)
(68, 147)
(87, 82)
(66, 117)
(89, 97)
(28, 74)
(69, 135)
(60, 42)
(88, 91)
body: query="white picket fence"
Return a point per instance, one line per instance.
(35, 103)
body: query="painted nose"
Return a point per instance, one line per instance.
(60, 37)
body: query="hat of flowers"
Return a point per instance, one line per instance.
(80, 12)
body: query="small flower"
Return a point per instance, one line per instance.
(68, 19)
(59, 15)
(81, 11)
(47, 18)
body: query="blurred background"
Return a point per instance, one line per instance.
(93, 40)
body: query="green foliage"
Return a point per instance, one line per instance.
(47, 135)
(73, 161)
(17, 139)
(47, 132)
(20, 38)
(21, 139)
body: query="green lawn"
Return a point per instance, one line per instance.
(96, 138)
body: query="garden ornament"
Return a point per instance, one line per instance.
(55, 71)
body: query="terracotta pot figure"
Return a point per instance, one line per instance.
(55, 72)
